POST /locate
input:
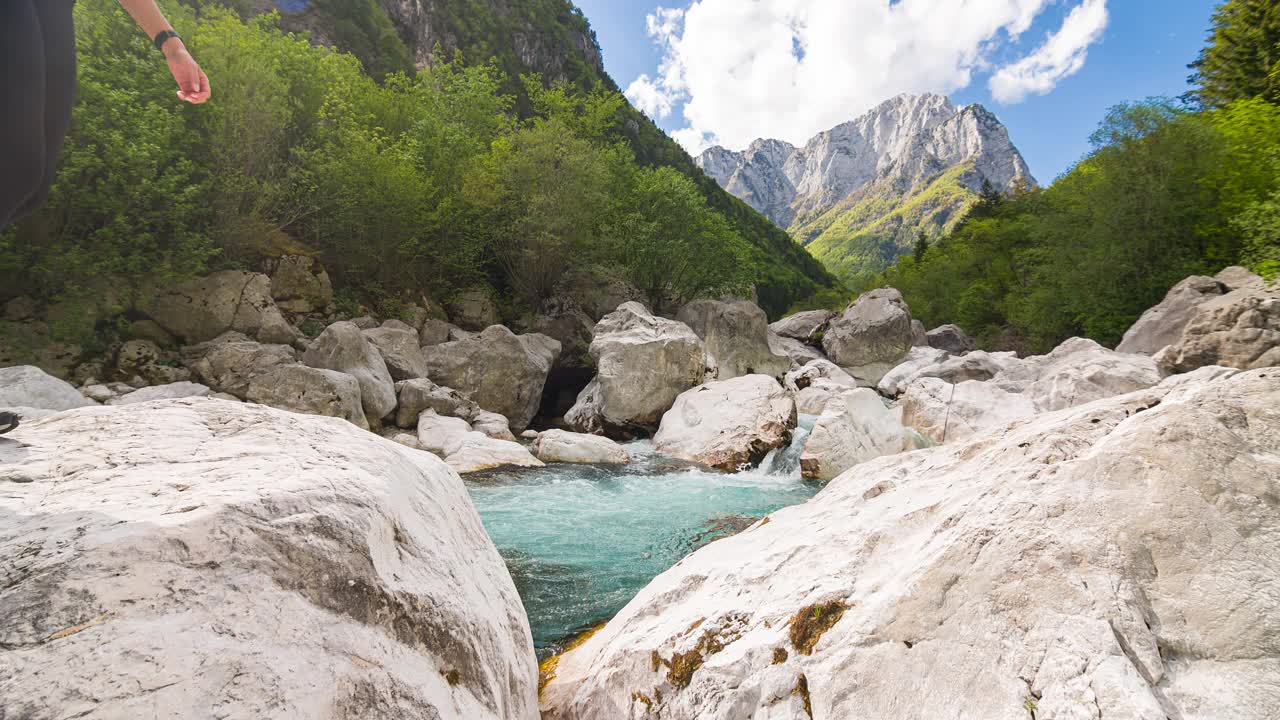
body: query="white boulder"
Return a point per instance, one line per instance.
(1240, 329)
(502, 372)
(736, 333)
(310, 391)
(173, 391)
(1162, 325)
(872, 336)
(807, 327)
(559, 446)
(260, 563)
(1115, 560)
(343, 347)
(643, 362)
(728, 424)
(400, 350)
(29, 386)
(943, 412)
(854, 427)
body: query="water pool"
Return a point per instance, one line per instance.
(582, 540)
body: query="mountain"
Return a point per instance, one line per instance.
(858, 195)
(552, 38)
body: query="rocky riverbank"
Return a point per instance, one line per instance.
(1088, 533)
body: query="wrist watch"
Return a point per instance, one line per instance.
(163, 37)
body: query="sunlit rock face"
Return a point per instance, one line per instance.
(904, 138)
(1114, 559)
(911, 164)
(200, 558)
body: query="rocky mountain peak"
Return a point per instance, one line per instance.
(900, 146)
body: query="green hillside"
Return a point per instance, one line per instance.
(554, 39)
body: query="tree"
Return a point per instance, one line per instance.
(672, 246)
(551, 193)
(1242, 59)
(921, 247)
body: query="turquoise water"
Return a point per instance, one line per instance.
(582, 540)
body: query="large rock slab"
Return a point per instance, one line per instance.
(872, 336)
(476, 451)
(400, 349)
(310, 391)
(944, 412)
(256, 562)
(1108, 561)
(853, 428)
(31, 387)
(1162, 325)
(977, 365)
(343, 347)
(559, 446)
(897, 379)
(728, 424)
(172, 391)
(807, 327)
(204, 308)
(736, 334)
(797, 352)
(1077, 372)
(1240, 329)
(643, 363)
(229, 362)
(499, 370)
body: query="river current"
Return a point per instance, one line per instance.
(582, 540)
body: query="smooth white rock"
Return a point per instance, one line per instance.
(29, 386)
(896, 380)
(343, 347)
(1097, 562)
(173, 391)
(944, 412)
(1077, 372)
(643, 362)
(728, 424)
(560, 446)
(854, 427)
(196, 558)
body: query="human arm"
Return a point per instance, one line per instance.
(193, 84)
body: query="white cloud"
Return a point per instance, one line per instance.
(788, 69)
(1061, 56)
(651, 99)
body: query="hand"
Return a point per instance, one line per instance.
(193, 84)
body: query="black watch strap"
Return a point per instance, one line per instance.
(163, 37)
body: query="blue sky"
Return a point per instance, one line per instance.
(1130, 50)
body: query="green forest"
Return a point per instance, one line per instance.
(405, 183)
(1172, 188)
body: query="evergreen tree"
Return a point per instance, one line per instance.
(1242, 59)
(922, 247)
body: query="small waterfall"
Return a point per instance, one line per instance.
(785, 462)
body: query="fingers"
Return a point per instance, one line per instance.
(193, 84)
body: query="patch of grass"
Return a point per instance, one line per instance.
(682, 666)
(808, 625)
(779, 656)
(453, 677)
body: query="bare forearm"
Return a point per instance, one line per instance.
(148, 16)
